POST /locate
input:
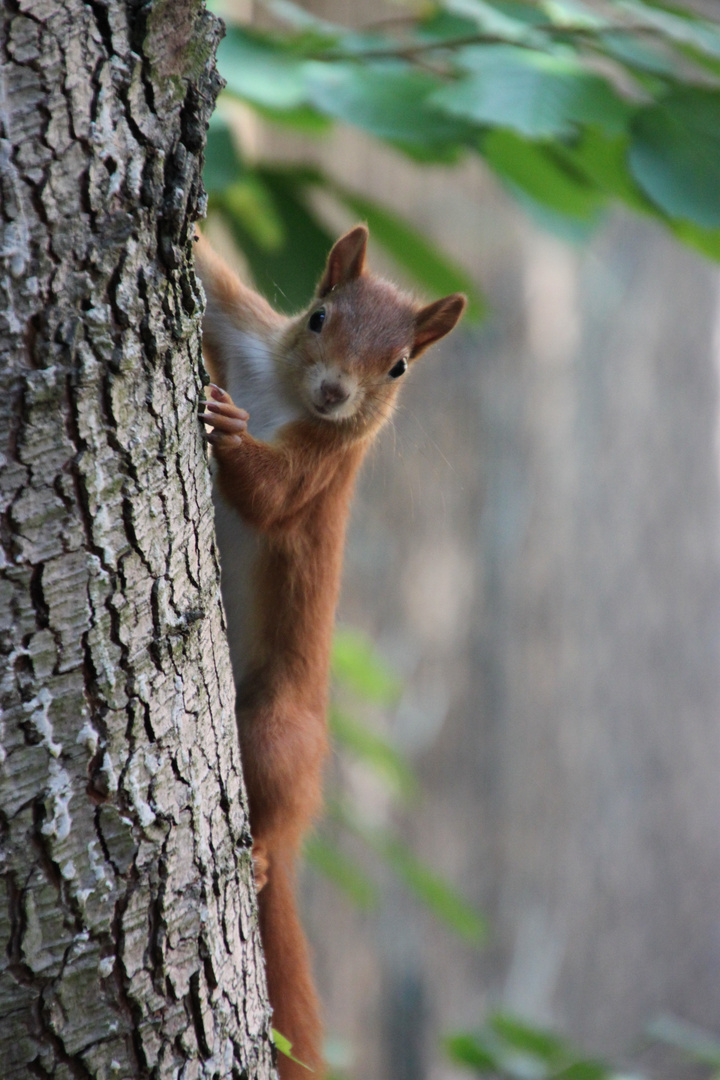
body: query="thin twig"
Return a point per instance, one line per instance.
(410, 52)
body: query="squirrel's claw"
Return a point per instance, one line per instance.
(222, 415)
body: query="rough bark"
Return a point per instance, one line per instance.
(130, 943)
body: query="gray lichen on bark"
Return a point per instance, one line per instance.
(130, 944)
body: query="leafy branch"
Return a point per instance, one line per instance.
(572, 111)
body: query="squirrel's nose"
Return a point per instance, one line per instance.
(333, 393)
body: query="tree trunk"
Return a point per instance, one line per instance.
(127, 913)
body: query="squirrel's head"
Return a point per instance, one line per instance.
(355, 342)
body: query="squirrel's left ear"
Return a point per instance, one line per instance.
(436, 320)
(346, 260)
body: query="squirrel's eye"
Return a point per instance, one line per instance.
(316, 320)
(398, 369)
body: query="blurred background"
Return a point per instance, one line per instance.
(535, 557)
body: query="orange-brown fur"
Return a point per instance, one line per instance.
(295, 492)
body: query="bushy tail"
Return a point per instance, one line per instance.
(296, 1009)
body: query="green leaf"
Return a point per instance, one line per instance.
(706, 241)
(564, 12)
(681, 27)
(357, 665)
(440, 26)
(603, 160)
(426, 885)
(511, 21)
(413, 252)
(389, 100)
(707, 63)
(433, 891)
(250, 204)
(285, 1047)
(675, 155)
(465, 1048)
(535, 94)
(328, 859)
(384, 759)
(535, 171)
(584, 1070)
(640, 57)
(261, 71)
(303, 119)
(532, 1040)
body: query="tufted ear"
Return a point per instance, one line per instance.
(436, 320)
(346, 260)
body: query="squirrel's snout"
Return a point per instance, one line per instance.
(333, 393)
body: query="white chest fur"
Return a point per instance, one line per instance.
(253, 384)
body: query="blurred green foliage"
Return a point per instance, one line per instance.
(357, 664)
(572, 109)
(362, 679)
(507, 1048)
(510, 1049)
(504, 1047)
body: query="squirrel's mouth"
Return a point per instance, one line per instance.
(332, 412)
(332, 398)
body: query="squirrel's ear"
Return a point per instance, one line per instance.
(436, 320)
(346, 260)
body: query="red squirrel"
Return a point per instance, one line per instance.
(317, 388)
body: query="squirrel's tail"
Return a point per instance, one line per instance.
(296, 1009)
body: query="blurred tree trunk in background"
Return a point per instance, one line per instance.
(127, 920)
(607, 638)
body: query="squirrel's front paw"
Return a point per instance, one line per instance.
(227, 421)
(261, 865)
